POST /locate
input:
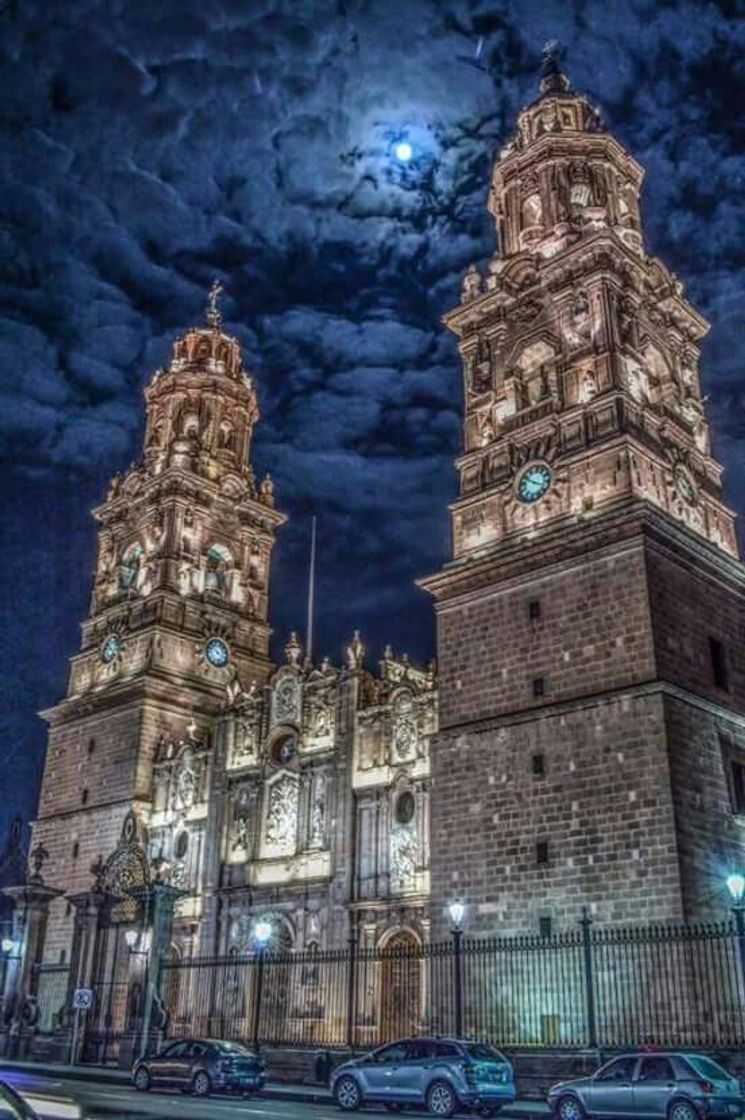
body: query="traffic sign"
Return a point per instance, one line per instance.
(82, 999)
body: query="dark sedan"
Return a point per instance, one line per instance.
(202, 1066)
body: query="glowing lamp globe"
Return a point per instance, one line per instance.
(130, 938)
(457, 913)
(403, 151)
(8, 945)
(736, 886)
(262, 931)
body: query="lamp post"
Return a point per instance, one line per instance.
(262, 933)
(457, 914)
(736, 888)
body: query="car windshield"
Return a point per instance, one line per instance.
(481, 1053)
(232, 1048)
(707, 1068)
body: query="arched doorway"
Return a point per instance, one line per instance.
(401, 980)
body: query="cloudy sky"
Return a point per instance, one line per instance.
(151, 145)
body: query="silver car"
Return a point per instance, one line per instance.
(441, 1073)
(673, 1085)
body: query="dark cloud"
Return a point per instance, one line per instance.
(150, 147)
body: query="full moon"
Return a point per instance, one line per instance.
(402, 151)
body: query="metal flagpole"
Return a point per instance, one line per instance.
(311, 593)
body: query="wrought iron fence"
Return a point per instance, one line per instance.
(50, 987)
(672, 985)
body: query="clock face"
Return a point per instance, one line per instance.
(217, 653)
(685, 487)
(535, 481)
(111, 648)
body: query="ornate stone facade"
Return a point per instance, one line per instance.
(248, 783)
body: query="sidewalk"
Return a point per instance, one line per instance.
(309, 1094)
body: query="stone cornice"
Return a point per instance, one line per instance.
(655, 687)
(563, 544)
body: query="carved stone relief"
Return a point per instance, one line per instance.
(281, 818)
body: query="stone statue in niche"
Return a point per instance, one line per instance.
(480, 373)
(635, 379)
(246, 740)
(281, 819)
(318, 812)
(186, 785)
(627, 321)
(588, 386)
(320, 714)
(485, 429)
(239, 835)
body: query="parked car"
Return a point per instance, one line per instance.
(202, 1066)
(441, 1073)
(673, 1085)
(30, 1096)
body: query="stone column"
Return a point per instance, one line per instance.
(158, 901)
(30, 914)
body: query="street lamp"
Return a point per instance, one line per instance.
(8, 945)
(262, 933)
(457, 913)
(736, 888)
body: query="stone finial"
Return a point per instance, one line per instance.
(97, 870)
(552, 78)
(293, 650)
(472, 284)
(355, 651)
(266, 490)
(39, 856)
(213, 316)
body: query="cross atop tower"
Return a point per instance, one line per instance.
(552, 78)
(214, 317)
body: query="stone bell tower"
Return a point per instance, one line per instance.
(591, 622)
(178, 613)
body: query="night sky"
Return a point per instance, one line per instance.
(151, 145)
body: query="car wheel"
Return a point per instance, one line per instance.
(201, 1084)
(347, 1094)
(569, 1108)
(441, 1100)
(142, 1079)
(682, 1110)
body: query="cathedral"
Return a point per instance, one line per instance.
(582, 742)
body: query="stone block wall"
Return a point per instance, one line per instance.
(593, 634)
(603, 806)
(711, 835)
(691, 603)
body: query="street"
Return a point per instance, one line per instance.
(102, 1100)
(98, 1101)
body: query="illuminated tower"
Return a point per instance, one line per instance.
(590, 624)
(178, 614)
